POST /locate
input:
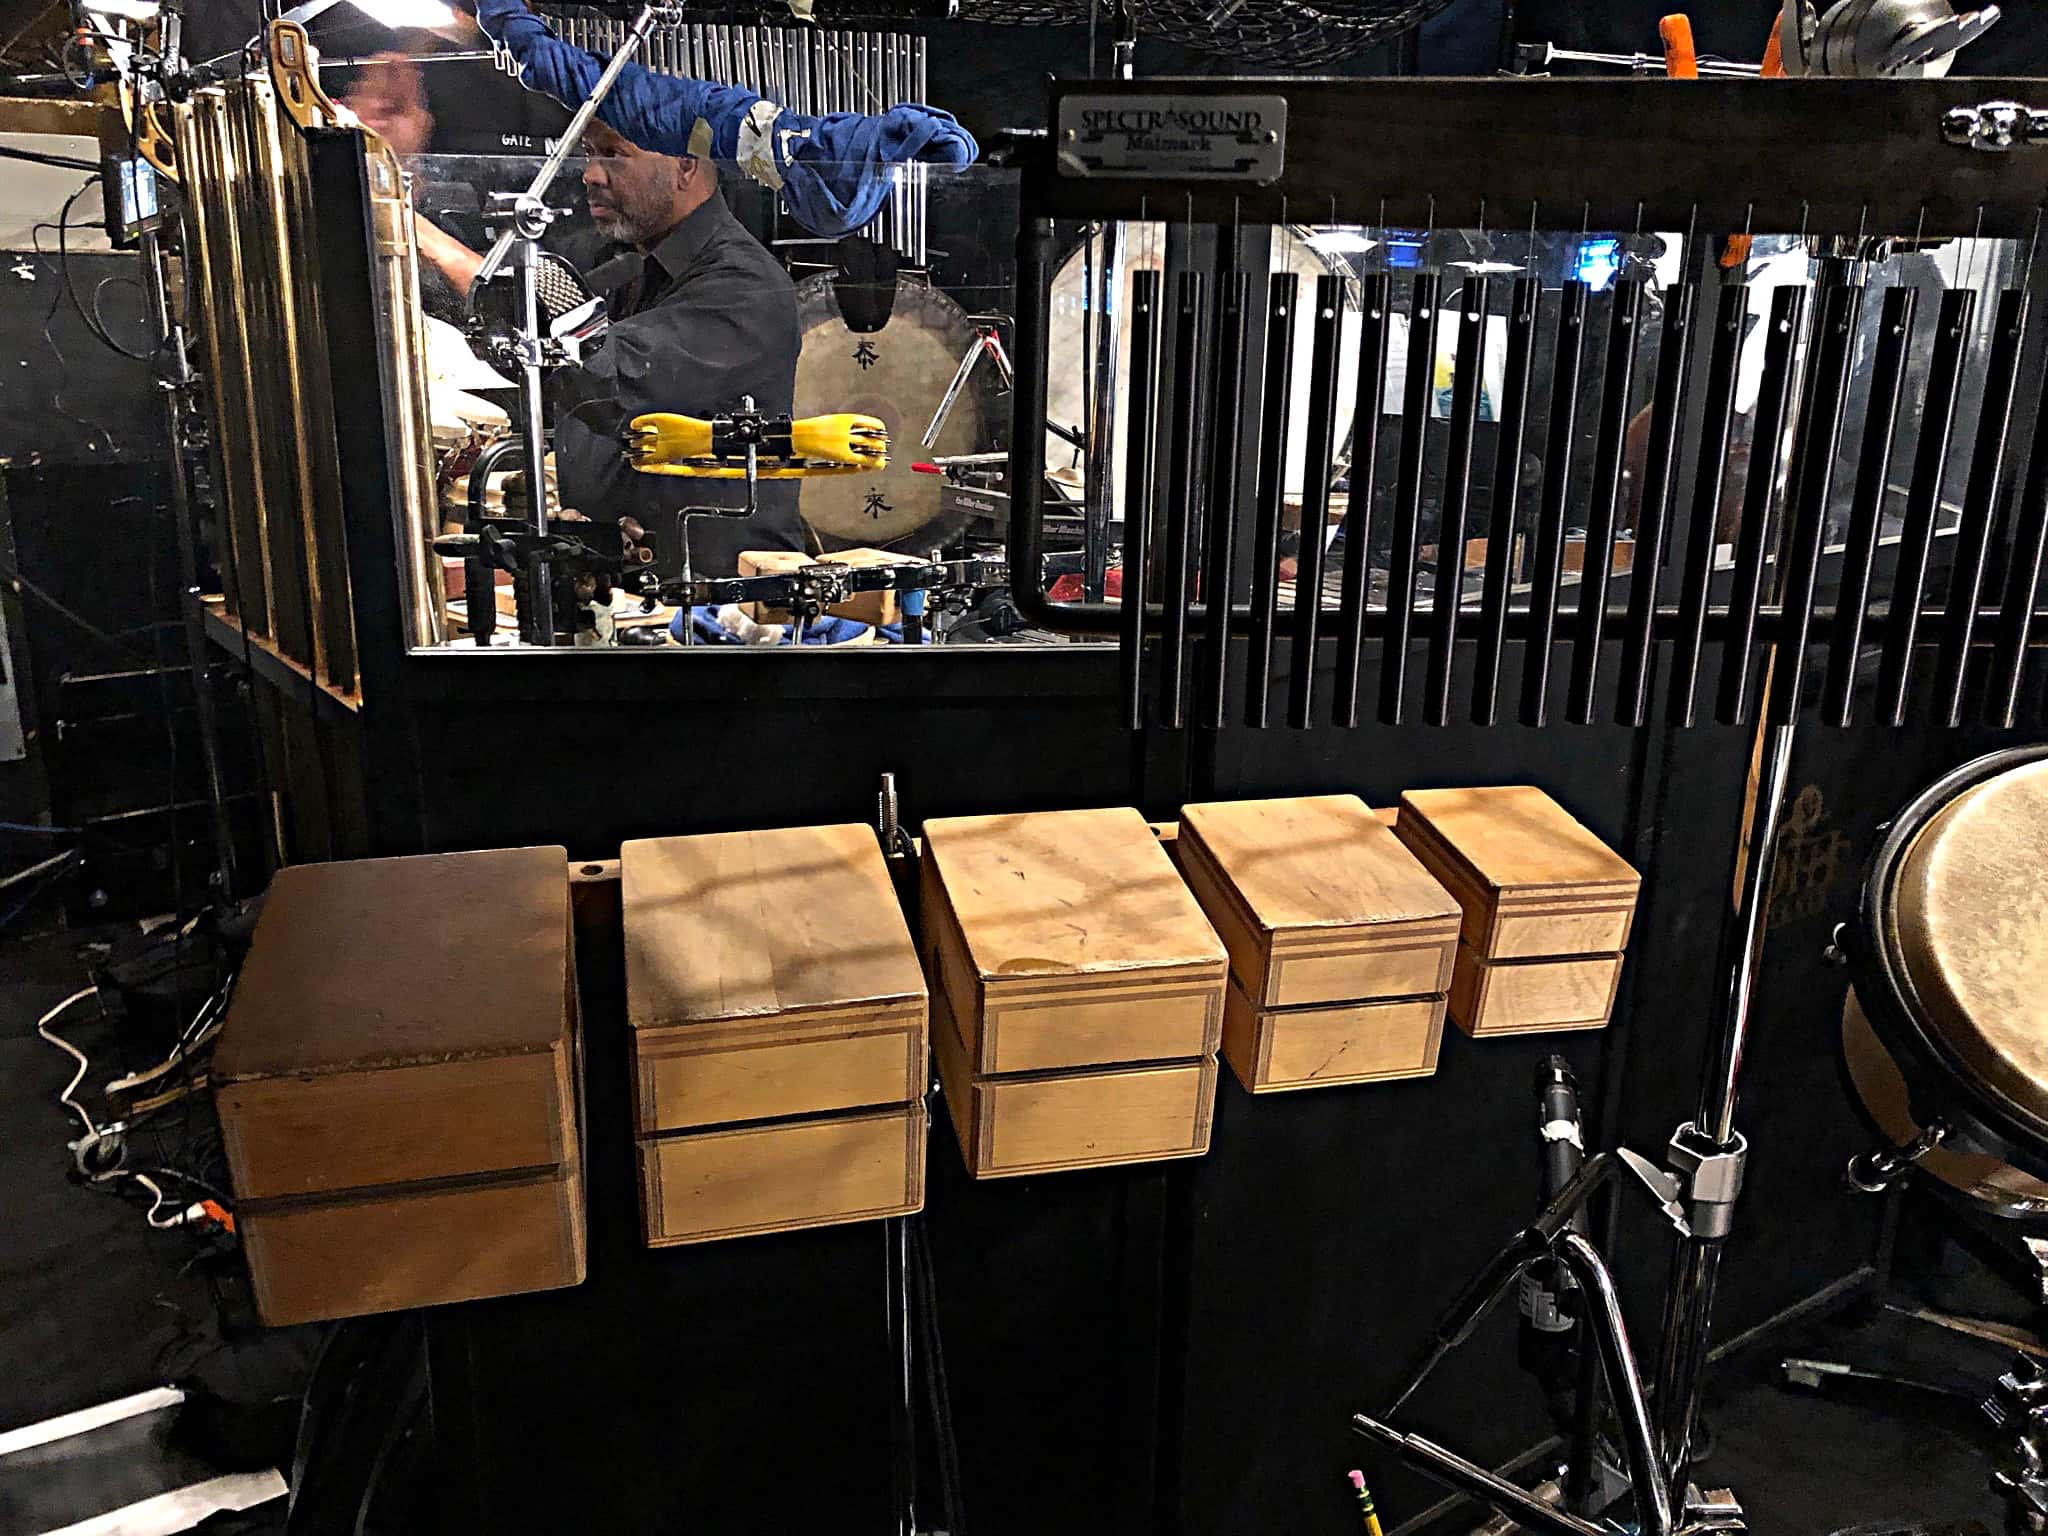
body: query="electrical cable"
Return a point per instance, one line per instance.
(11, 576)
(64, 270)
(50, 319)
(38, 157)
(84, 1063)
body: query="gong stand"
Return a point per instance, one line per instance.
(1856, 170)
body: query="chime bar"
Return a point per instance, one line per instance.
(1376, 304)
(1283, 294)
(1324, 361)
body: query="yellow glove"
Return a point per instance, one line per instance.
(861, 441)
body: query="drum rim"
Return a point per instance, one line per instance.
(1892, 1003)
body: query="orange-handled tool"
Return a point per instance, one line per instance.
(1681, 59)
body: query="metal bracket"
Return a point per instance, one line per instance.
(1665, 1188)
(1712, 1176)
(1994, 126)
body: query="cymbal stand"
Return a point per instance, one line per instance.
(521, 218)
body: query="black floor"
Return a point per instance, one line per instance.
(97, 1305)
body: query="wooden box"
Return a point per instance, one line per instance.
(792, 1174)
(1547, 905)
(1532, 881)
(1066, 939)
(1317, 901)
(770, 977)
(1276, 1050)
(767, 974)
(1048, 1121)
(397, 1085)
(1522, 997)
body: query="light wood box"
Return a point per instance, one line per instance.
(783, 1177)
(1047, 1122)
(1067, 939)
(1317, 902)
(402, 1042)
(876, 608)
(1282, 1050)
(1521, 997)
(312, 1259)
(1532, 881)
(768, 974)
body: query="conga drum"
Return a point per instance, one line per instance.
(1946, 1024)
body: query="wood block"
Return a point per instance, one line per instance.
(780, 1178)
(1067, 939)
(1277, 1050)
(768, 974)
(1526, 997)
(1532, 881)
(1317, 902)
(413, 1246)
(401, 1019)
(1049, 1121)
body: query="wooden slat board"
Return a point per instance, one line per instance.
(1317, 901)
(768, 974)
(1283, 1050)
(386, 1250)
(1532, 881)
(1524, 997)
(1047, 1122)
(784, 1177)
(1068, 939)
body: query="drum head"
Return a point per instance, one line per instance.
(899, 374)
(1951, 955)
(1882, 1089)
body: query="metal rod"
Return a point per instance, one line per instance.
(1981, 505)
(1376, 304)
(1138, 470)
(1557, 470)
(1781, 347)
(1730, 319)
(1418, 394)
(1799, 569)
(1653, 512)
(1469, 1478)
(1507, 497)
(1449, 590)
(1315, 497)
(1596, 568)
(540, 605)
(1219, 547)
(1183, 497)
(1866, 509)
(1624, 1380)
(1282, 294)
(2024, 553)
(1923, 501)
(1100, 487)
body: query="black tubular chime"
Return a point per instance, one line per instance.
(1755, 498)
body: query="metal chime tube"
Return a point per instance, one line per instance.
(1653, 517)
(1219, 544)
(1138, 462)
(1315, 497)
(1457, 497)
(1417, 395)
(1283, 293)
(1376, 305)
(1507, 499)
(1730, 318)
(1596, 569)
(1557, 469)
(1183, 496)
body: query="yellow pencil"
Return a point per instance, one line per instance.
(1372, 1519)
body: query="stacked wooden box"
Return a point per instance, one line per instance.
(778, 1022)
(397, 1085)
(1547, 907)
(1341, 944)
(1077, 991)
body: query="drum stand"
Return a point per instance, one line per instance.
(1696, 1190)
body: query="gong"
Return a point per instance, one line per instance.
(899, 374)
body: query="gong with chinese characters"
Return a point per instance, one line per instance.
(898, 373)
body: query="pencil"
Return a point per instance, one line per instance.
(1372, 1519)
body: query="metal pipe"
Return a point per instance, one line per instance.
(1100, 490)
(1138, 469)
(1730, 319)
(1788, 311)
(1799, 566)
(1469, 1477)
(2024, 554)
(1596, 567)
(1376, 303)
(540, 603)
(1557, 470)
(1981, 505)
(1419, 389)
(1282, 294)
(1866, 509)
(1324, 360)
(1923, 501)
(1219, 546)
(170, 335)
(1507, 498)
(1183, 496)
(1653, 514)
(1624, 1381)
(1449, 591)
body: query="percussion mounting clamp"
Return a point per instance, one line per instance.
(1711, 1175)
(1874, 1172)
